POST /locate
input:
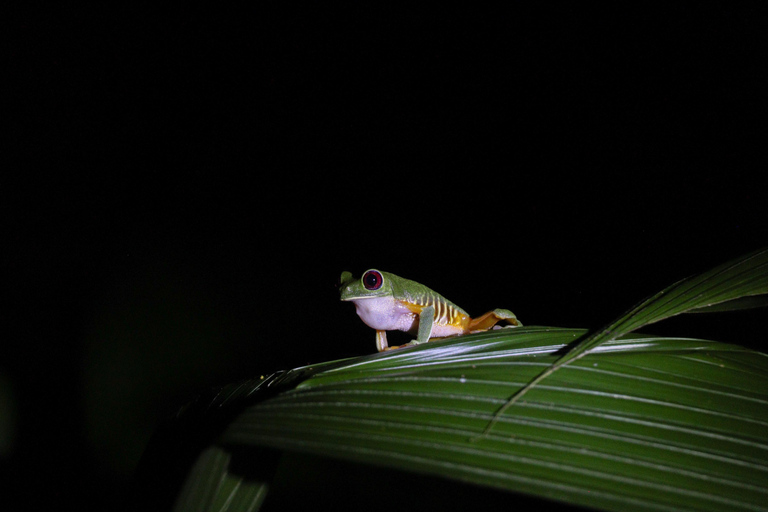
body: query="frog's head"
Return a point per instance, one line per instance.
(373, 284)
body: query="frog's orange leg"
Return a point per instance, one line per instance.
(491, 318)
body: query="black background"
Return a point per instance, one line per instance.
(185, 185)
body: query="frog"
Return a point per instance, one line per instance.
(386, 302)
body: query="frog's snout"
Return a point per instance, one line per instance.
(345, 284)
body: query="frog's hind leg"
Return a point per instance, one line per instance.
(491, 318)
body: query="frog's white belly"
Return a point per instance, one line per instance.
(387, 314)
(439, 330)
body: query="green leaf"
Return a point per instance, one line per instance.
(211, 486)
(729, 286)
(627, 422)
(642, 422)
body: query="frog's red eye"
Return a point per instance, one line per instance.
(372, 280)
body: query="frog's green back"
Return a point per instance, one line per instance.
(417, 293)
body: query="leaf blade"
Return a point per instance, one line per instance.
(744, 277)
(419, 412)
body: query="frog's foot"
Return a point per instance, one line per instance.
(491, 318)
(411, 343)
(395, 347)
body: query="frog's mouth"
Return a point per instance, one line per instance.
(364, 297)
(369, 295)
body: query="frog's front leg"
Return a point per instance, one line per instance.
(381, 341)
(426, 320)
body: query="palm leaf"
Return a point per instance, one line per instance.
(211, 486)
(729, 286)
(627, 422)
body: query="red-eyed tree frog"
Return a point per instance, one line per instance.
(387, 302)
